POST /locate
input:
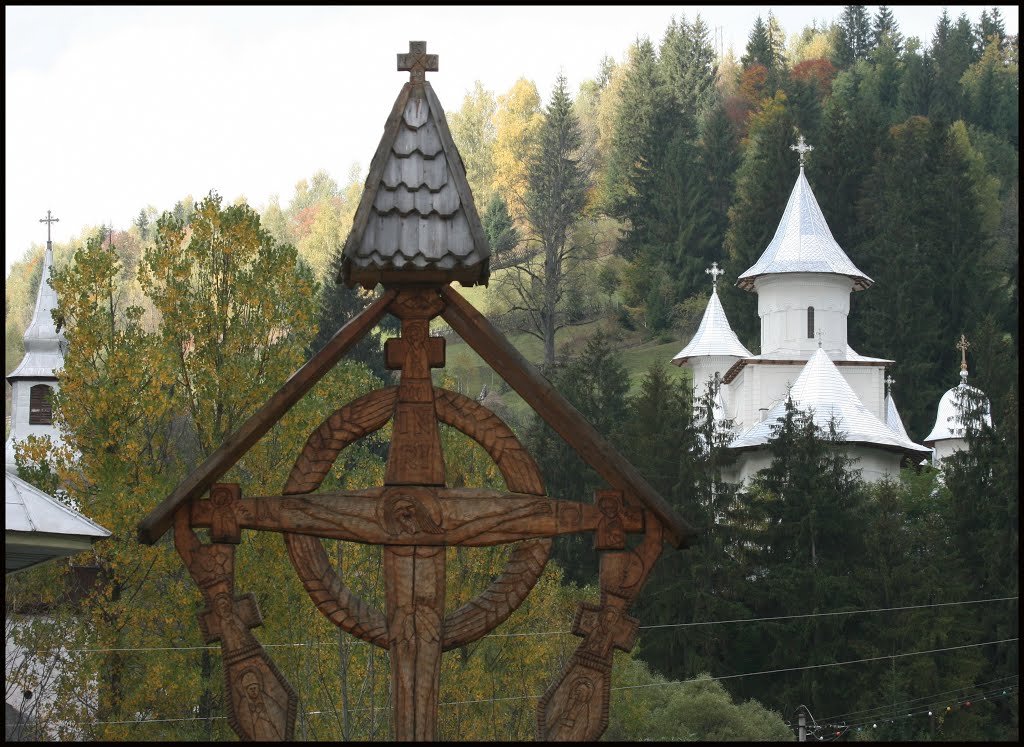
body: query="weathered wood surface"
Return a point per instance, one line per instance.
(261, 704)
(557, 411)
(419, 516)
(159, 520)
(575, 706)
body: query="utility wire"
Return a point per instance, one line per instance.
(556, 632)
(625, 687)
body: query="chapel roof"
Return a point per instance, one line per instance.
(714, 336)
(821, 389)
(803, 242)
(949, 420)
(39, 528)
(893, 419)
(43, 342)
(416, 221)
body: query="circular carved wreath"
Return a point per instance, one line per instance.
(364, 416)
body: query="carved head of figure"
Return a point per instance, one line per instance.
(221, 497)
(608, 505)
(222, 604)
(252, 683)
(608, 617)
(405, 515)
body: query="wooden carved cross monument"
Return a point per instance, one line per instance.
(415, 231)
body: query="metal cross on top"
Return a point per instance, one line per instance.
(48, 220)
(802, 148)
(715, 273)
(962, 346)
(889, 381)
(417, 61)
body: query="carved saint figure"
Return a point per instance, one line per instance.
(576, 716)
(233, 632)
(224, 523)
(253, 709)
(599, 642)
(612, 530)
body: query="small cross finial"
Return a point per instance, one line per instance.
(821, 336)
(962, 346)
(715, 273)
(889, 381)
(48, 220)
(417, 61)
(802, 148)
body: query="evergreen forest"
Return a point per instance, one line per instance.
(882, 612)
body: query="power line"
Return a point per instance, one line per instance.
(820, 666)
(624, 687)
(555, 632)
(823, 614)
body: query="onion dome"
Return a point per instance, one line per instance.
(714, 336)
(823, 391)
(955, 405)
(803, 241)
(416, 221)
(40, 528)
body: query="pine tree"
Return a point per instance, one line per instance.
(556, 196)
(689, 67)
(886, 31)
(502, 235)
(855, 36)
(759, 49)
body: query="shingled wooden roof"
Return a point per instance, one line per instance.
(416, 221)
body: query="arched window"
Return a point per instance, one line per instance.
(39, 410)
(810, 322)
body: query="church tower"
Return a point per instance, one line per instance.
(35, 378)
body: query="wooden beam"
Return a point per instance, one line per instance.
(234, 447)
(557, 411)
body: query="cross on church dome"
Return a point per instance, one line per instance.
(48, 220)
(417, 61)
(962, 346)
(802, 148)
(715, 273)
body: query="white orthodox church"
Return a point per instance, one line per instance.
(948, 435)
(38, 527)
(803, 281)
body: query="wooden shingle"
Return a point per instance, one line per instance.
(416, 221)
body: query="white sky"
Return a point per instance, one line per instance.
(110, 109)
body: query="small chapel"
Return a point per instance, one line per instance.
(803, 281)
(37, 526)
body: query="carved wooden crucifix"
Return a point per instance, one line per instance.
(416, 230)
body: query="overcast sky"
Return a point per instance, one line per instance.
(110, 109)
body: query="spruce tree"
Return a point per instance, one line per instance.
(885, 30)
(855, 36)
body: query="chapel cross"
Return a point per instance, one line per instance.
(48, 220)
(715, 273)
(802, 148)
(417, 61)
(821, 335)
(962, 346)
(889, 381)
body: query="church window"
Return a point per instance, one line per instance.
(39, 410)
(810, 322)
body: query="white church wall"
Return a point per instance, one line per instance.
(946, 448)
(868, 384)
(20, 427)
(874, 465)
(782, 303)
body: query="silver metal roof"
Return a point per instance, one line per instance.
(43, 342)
(40, 528)
(714, 336)
(803, 243)
(893, 419)
(417, 211)
(948, 420)
(823, 390)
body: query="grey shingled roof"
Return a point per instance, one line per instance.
(822, 389)
(714, 336)
(803, 243)
(417, 211)
(949, 422)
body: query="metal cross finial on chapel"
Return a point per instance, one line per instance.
(48, 220)
(417, 61)
(962, 346)
(821, 335)
(889, 381)
(802, 148)
(715, 273)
